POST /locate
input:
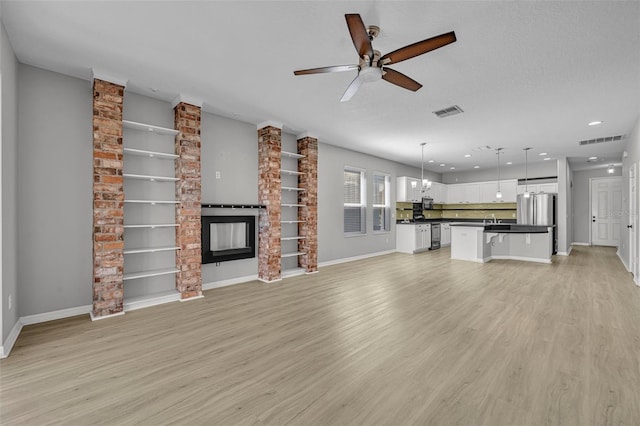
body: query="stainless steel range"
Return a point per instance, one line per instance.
(435, 236)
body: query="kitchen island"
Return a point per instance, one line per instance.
(480, 242)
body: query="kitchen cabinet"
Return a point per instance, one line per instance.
(408, 190)
(445, 234)
(508, 188)
(413, 238)
(438, 192)
(550, 188)
(463, 193)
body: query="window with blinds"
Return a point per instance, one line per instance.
(381, 202)
(354, 201)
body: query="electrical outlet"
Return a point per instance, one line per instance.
(218, 174)
(456, 214)
(513, 215)
(10, 302)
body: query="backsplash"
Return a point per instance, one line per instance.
(460, 211)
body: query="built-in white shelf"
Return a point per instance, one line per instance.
(291, 188)
(149, 249)
(153, 273)
(292, 238)
(133, 303)
(151, 178)
(293, 254)
(290, 172)
(291, 154)
(293, 272)
(152, 201)
(292, 221)
(150, 225)
(149, 128)
(152, 154)
(292, 205)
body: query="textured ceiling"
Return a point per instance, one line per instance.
(525, 73)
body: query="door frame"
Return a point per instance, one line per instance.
(633, 258)
(591, 202)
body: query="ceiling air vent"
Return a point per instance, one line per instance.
(601, 140)
(453, 110)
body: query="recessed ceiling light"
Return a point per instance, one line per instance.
(542, 153)
(476, 167)
(467, 155)
(452, 168)
(431, 161)
(547, 158)
(595, 123)
(593, 158)
(508, 163)
(442, 165)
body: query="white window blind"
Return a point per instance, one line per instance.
(354, 201)
(381, 203)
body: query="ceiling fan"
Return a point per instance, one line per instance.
(372, 66)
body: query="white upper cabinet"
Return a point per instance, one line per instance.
(551, 188)
(438, 192)
(408, 190)
(482, 192)
(463, 193)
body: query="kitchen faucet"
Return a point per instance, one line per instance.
(484, 219)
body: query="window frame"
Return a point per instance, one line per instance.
(362, 205)
(386, 206)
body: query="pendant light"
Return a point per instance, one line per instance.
(426, 184)
(499, 193)
(526, 194)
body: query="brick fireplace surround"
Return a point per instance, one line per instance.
(108, 201)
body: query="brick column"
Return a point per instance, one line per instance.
(308, 180)
(188, 193)
(108, 200)
(269, 187)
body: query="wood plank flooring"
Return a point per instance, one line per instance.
(392, 340)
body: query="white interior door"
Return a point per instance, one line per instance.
(606, 211)
(633, 221)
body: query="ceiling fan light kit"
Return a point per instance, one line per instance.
(371, 65)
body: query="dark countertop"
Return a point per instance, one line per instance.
(506, 228)
(458, 221)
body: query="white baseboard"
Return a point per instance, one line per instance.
(580, 244)
(564, 253)
(189, 299)
(94, 318)
(525, 259)
(55, 315)
(623, 261)
(354, 258)
(232, 281)
(144, 302)
(6, 347)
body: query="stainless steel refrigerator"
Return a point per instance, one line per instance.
(538, 209)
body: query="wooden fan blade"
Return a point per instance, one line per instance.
(359, 35)
(399, 79)
(352, 89)
(337, 68)
(418, 48)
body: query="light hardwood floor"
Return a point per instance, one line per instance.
(391, 340)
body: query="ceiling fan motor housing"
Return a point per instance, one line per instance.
(370, 74)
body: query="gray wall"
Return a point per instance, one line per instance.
(231, 148)
(580, 201)
(55, 195)
(564, 220)
(331, 242)
(515, 171)
(632, 149)
(9, 226)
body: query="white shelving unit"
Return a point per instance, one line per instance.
(148, 233)
(290, 206)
